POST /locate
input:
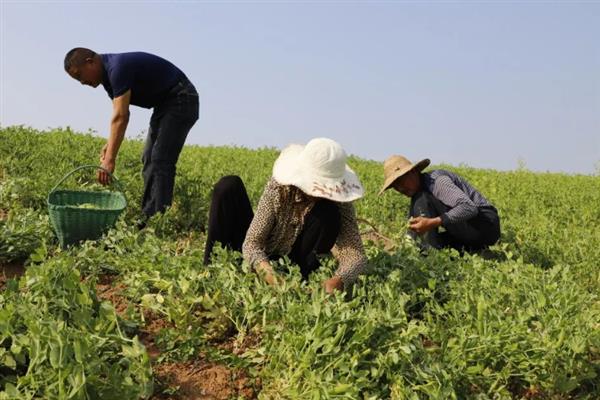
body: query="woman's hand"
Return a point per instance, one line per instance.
(333, 284)
(265, 270)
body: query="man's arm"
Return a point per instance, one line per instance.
(461, 206)
(118, 125)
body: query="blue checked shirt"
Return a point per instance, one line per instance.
(455, 192)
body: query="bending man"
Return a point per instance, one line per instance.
(147, 81)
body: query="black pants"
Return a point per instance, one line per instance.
(231, 214)
(169, 126)
(479, 232)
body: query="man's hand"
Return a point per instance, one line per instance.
(108, 164)
(422, 225)
(265, 270)
(103, 177)
(333, 284)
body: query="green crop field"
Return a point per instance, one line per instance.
(136, 314)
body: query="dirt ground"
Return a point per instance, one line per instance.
(191, 380)
(9, 271)
(200, 380)
(148, 333)
(108, 291)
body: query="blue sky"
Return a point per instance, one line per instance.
(481, 83)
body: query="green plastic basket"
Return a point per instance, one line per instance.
(73, 223)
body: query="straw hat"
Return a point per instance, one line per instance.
(396, 166)
(319, 169)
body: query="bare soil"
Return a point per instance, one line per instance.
(238, 346)
(9, 271)
(108, 291)
(201, 380)
(191, 380)
(148, 334)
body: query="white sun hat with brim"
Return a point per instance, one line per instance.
(319, 169)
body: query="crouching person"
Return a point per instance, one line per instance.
(305, 210)
(442, 199)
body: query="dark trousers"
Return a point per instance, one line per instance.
(169, 126)
(477, 233)
(231, 214)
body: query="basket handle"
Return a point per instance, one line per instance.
(113, 178)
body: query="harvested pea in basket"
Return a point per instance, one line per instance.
(77, 215)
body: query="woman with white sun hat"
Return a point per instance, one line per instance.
(306, 209)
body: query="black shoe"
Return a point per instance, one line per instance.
(141, 224)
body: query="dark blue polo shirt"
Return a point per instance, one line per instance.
(148, 76)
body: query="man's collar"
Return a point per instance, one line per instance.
(426, 181)
(104, 72)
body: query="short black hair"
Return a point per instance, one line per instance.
(77, 56)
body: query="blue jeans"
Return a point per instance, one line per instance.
(170, 124)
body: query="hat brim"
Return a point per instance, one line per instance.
(420, 166)
(288, 170)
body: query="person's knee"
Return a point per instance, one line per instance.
(424, 205)
(424, 198)
(226, 185)
(491, 230)
(494, 234)
(163, 167)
